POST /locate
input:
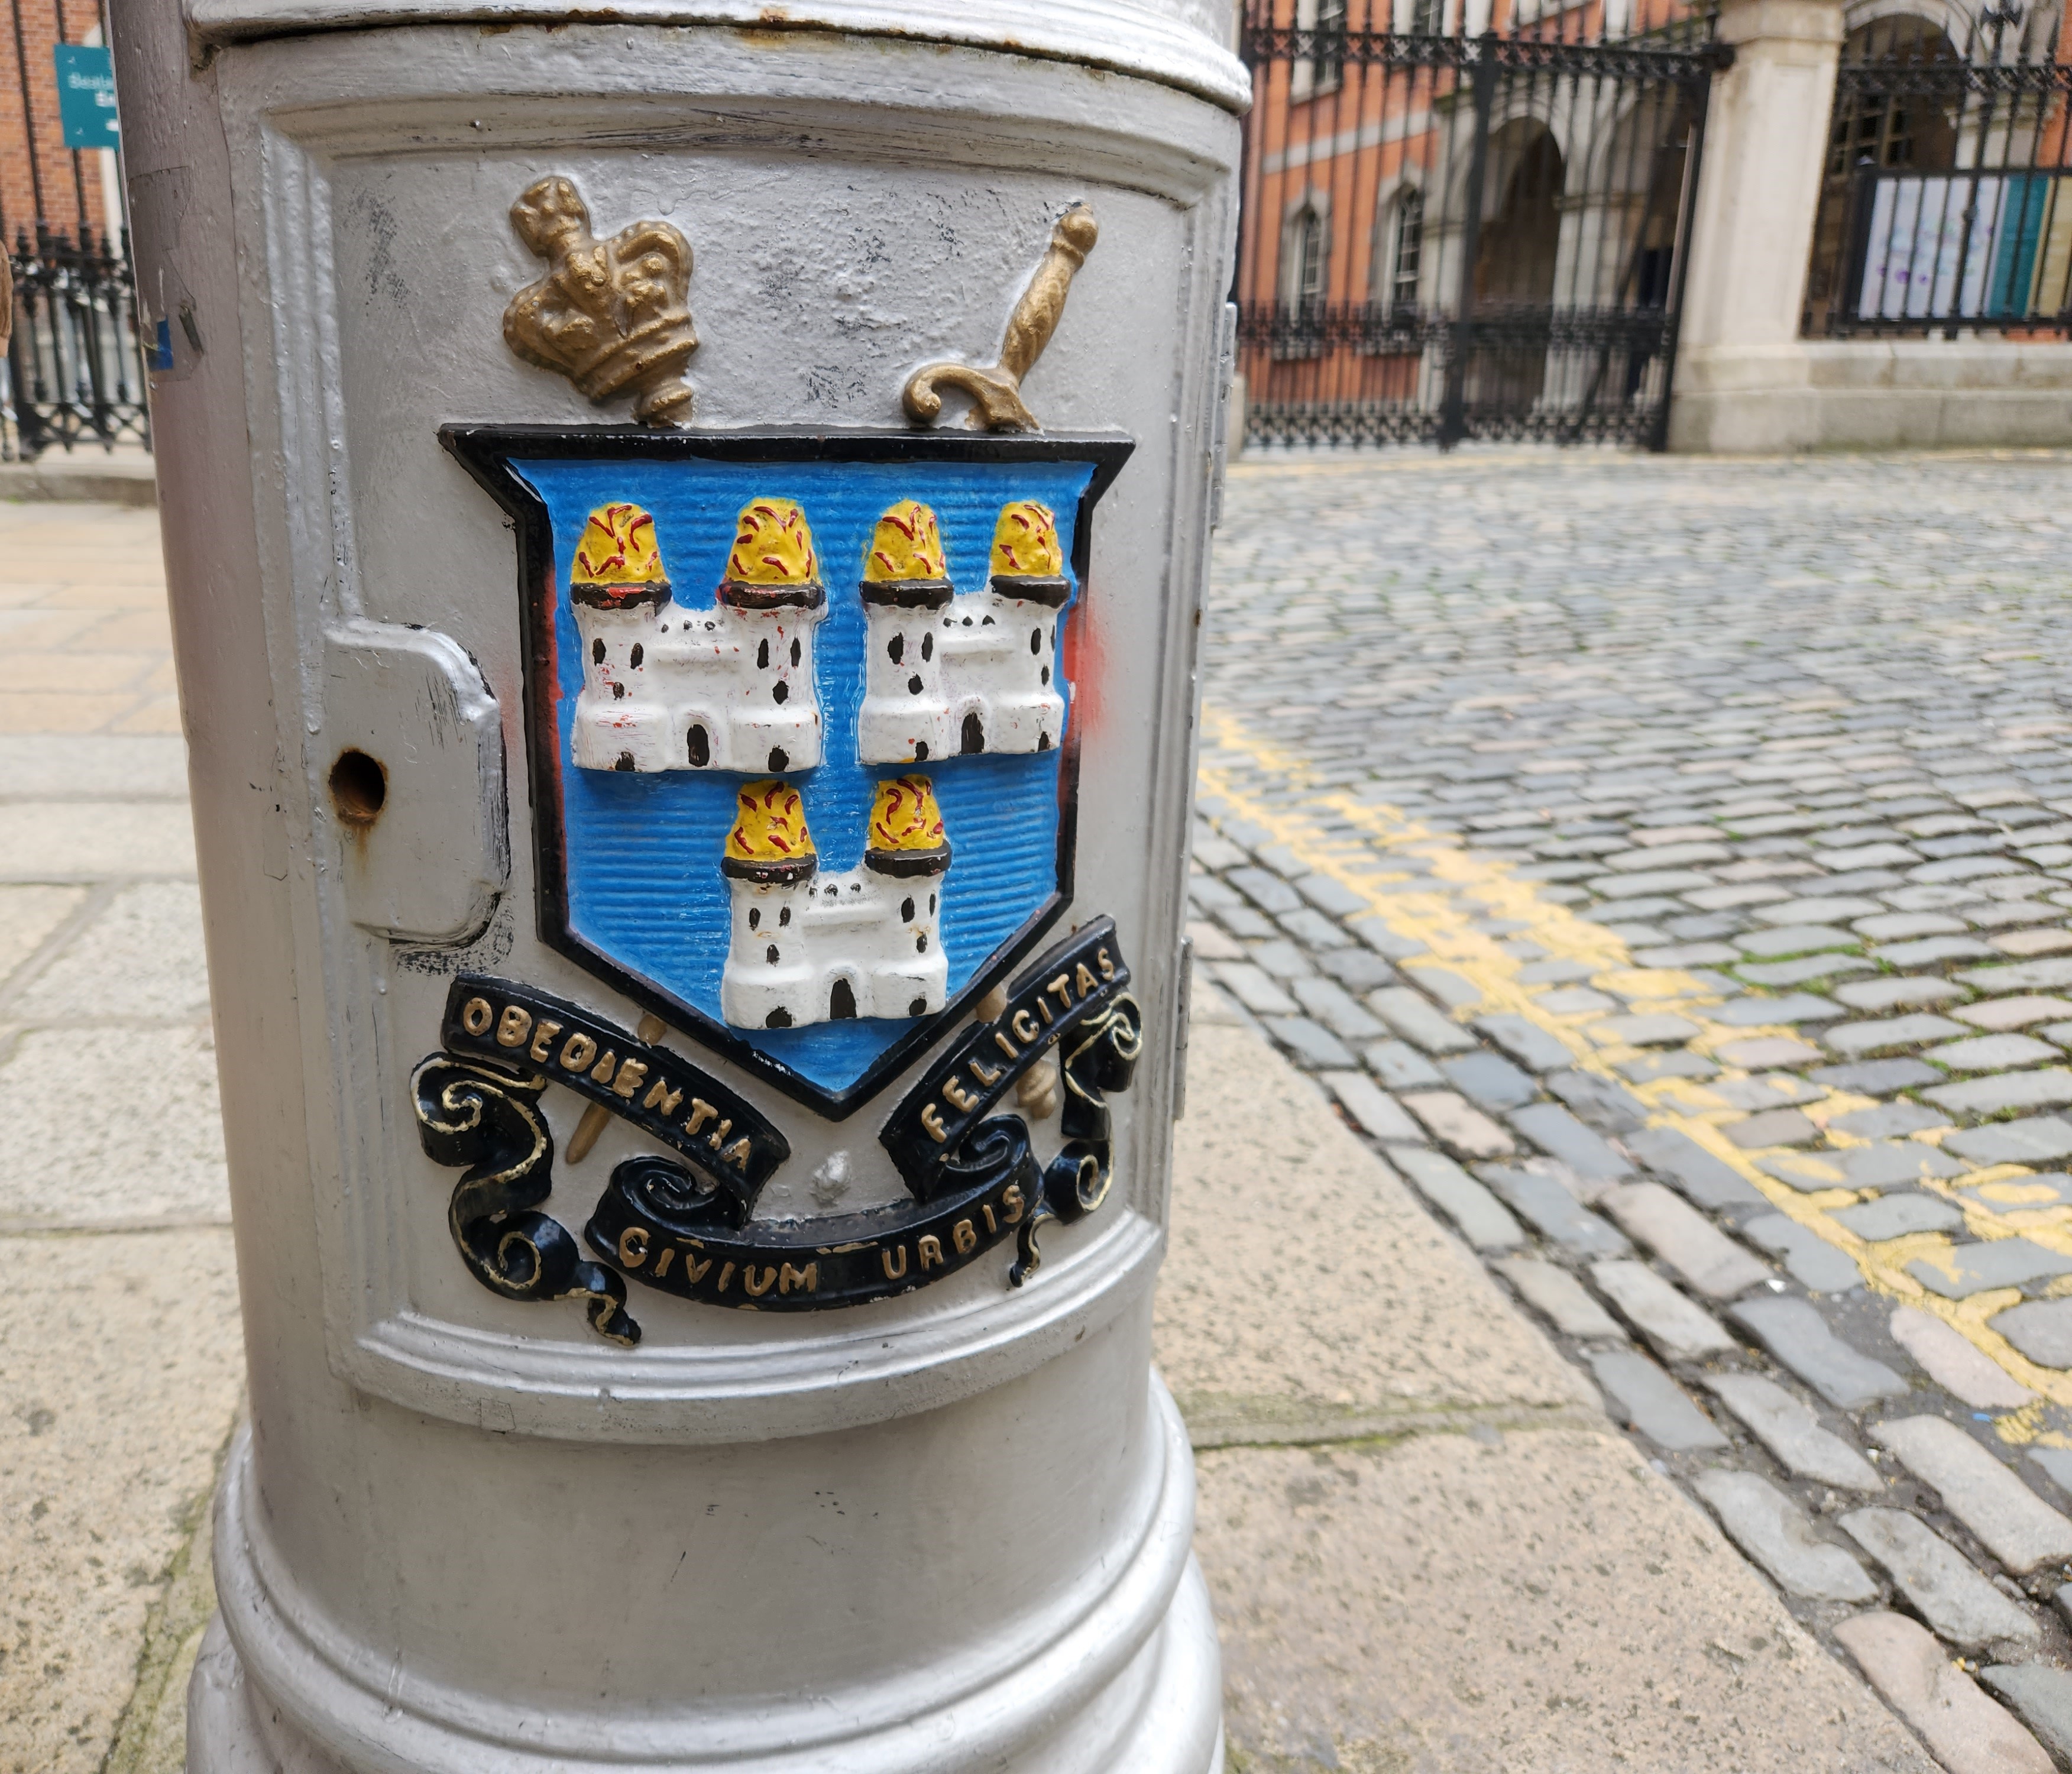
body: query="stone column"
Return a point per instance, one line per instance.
(1739, 360)
(517, 1493)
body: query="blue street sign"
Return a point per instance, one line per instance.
(86, 96)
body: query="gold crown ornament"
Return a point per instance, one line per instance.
(613, 315)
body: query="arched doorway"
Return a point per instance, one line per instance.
(1521, 236)
(1879, 125)
(1516, 260)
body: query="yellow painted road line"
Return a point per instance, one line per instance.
(1311, 820)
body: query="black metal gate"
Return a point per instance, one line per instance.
(1946, 204)
(74, 373)
(1467, 230)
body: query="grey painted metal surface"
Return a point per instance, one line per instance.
(946, 1530)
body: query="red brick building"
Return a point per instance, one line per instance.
(39, 176)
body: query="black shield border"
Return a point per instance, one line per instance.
(487, 453)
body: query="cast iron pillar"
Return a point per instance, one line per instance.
(686, 533)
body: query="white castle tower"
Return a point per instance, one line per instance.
(950, 675)
(669, 688)
(807, 947)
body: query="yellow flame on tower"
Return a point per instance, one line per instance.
(907, 545)
(769, 825)
(618, 548)
(1025, 542)
(773, 545)
(904, 815)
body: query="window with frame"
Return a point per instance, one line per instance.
(1306, 286)
(1330, 59)
(1312, 256)
(1406, 249)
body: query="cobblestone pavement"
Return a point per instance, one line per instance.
(1666, 864)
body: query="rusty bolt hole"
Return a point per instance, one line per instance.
(359, 785)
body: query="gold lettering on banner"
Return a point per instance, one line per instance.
(736, 1155)
(726, 1275)
(1107, 966)
(964, 1236)
(662, 1099)
(991, 1224)
(1084, 980)
(694, 1271)
(885, 1262)
(513, 1027)
(543, 1039)
(1006, 1046)
(960, 1098)
(986, 1075)
(758, 1289)
(930, 1248)
(629, 1078)
(633, 1246)
(1043, 1010)
(807, 1278)
(1010, 1204)
(1061, 989)
(932, 1118)
(719, 1132)
(597, 1114)
(1024, 1035)
(663, 1260)
(578, 1053)
(476, 1015)
(601, 1073)
(701, 1111)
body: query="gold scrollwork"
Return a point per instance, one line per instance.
(996, 389)
(612, 315)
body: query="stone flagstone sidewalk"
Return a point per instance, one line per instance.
(121, 1366)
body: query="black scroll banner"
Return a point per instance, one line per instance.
(488, 1124)
(478, 1109)
(1074, 996)
(651, 1226)
(975, 1178)
(726, 1140)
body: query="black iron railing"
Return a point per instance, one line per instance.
(1449, 234)
(74, 373)
(1947, 205)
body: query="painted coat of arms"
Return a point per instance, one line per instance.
(800, 724)
(803, 759)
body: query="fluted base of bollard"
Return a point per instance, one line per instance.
(1157, 1712)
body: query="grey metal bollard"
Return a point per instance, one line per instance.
(687, 531)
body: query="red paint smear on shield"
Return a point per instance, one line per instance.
(1085, 667)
